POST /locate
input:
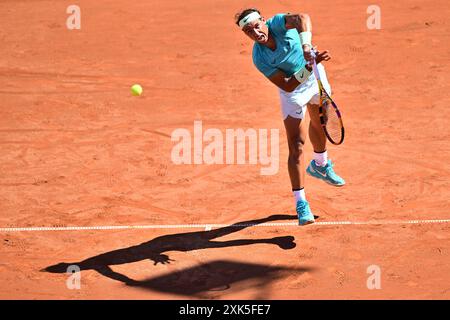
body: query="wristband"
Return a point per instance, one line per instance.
(302, 75)
(306, 38)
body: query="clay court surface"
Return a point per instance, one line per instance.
(78, 150)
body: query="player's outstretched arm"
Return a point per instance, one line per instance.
(301, 22)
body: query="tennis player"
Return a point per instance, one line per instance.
(282, 52)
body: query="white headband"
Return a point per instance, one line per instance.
(249, 18)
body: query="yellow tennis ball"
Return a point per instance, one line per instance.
(136, 90)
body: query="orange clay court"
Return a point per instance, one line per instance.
(78, 150)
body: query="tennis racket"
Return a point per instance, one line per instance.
(330, 116)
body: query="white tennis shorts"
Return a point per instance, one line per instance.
(294, 103)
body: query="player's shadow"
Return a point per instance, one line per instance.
(154, 249)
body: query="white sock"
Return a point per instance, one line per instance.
(299, 195)
(321, 159)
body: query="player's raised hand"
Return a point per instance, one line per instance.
(319, 55)
(322, 56)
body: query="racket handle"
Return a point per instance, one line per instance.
(314, 65)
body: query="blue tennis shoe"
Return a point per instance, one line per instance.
(304, 213)
(326, 173)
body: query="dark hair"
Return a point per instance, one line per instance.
(243, 13)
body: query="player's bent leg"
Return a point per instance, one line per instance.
(316, 133)
(296, 135)
(320, 167)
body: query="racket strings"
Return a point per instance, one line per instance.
(332, 121)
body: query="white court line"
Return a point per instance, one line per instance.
(208, 227)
